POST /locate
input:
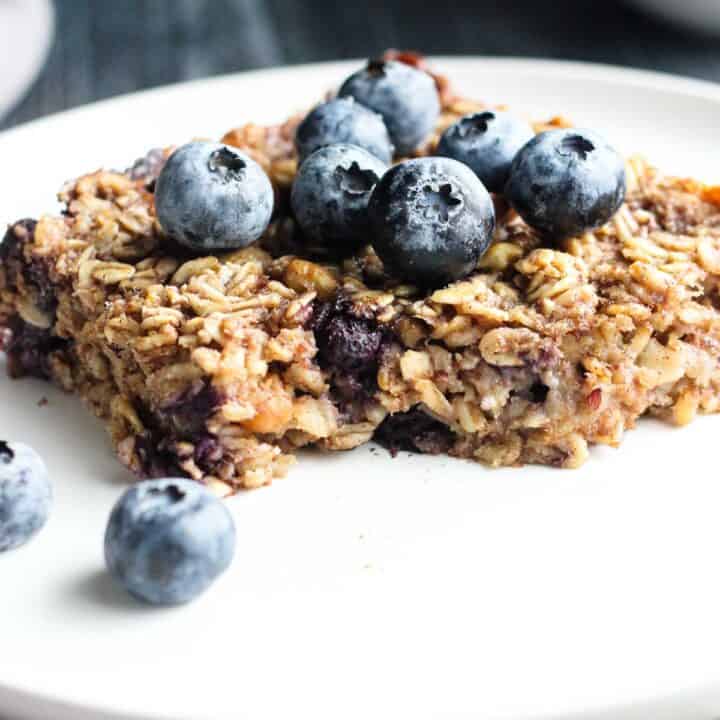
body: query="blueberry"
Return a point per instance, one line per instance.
(564, 182)
(330, 196)
(213, 197)
(406, 98)
(487, 143)
(25, 494)
(432, 219)
(167, 540)
(342, 120)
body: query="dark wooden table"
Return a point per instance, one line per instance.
(105, 48)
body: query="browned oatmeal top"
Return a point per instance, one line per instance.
(219, 366)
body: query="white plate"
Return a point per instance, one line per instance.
(26, 28)
(364, 586)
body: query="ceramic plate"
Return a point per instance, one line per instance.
(365, 586)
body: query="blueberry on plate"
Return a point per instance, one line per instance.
(564, 182)
(167, 540)
(487, 142)
(406, 97)
(330, 196)
(25, 494)
(212, 197)
(342, 120)
(432, 219)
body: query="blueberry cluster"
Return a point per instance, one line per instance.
(431, 219)
(428, 219)
(166, 540)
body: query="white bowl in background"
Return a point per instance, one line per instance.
(702, 15)
(26, 31)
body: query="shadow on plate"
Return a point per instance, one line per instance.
(97, 588)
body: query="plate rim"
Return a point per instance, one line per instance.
(652, 79)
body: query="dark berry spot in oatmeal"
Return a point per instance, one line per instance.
(347, 342)
(148, 167)
(188, 411)
(16, 235)
(539, 392)
(350, 346)
(29, 349)
(350, 343)
(414, 431)
(156, 459)
(208, 452)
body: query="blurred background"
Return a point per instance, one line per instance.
(99, 48)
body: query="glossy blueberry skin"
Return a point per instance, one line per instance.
(330, 195)
(406, 97)
(487, 143)
(564, 182)
(167, 540)
(25, 494)
(342, 120)
(212, 197)
(432, 219)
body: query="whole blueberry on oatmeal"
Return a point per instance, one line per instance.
(431, 219)
(330, 196)
(564, 182)
(342, 120)
(212, 197)
(487, 142)
(167, 540)
(25, 494)
(406, 97)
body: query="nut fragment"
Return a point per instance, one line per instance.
(272, 414)
(415, 365)
(111, 273)
(194, 267)
(668, 363)
(507, 347)
(500, 256)
(303, 276)
(434, 400)
(317, 418)
(32, 314)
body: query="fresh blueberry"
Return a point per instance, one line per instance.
(487, 143)
(167, 540)
(212, 197)
(342, 120)
(564, 182)
(25, 494)
(406, 97)
(330, 196)
(432, 219)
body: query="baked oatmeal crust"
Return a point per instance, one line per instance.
(220, 367)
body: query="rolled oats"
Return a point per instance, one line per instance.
(537, 354)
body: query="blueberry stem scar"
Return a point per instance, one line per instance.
(579, 145)
(227, 164)
(6, 452)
